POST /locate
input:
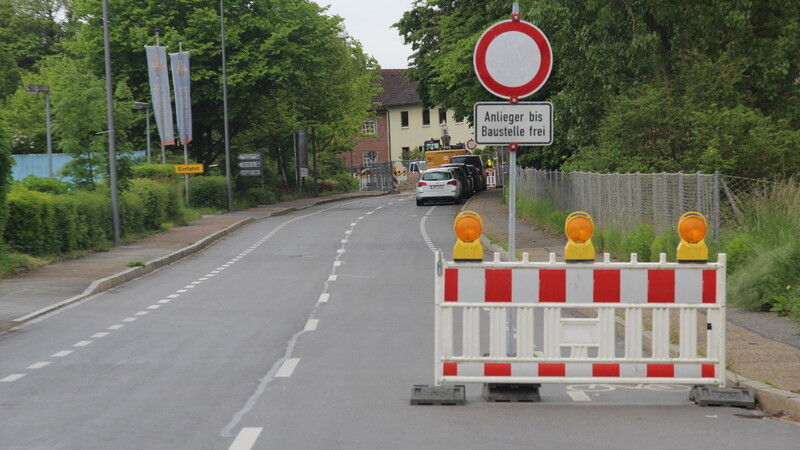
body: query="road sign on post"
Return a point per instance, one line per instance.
(528, 123)
(512, 60)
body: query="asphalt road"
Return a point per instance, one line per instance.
(308, 331)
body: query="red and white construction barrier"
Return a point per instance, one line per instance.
(491, 179)
(506, 300)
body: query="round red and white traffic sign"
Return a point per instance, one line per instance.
(471, 145)
(513, 59)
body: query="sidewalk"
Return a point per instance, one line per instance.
(33, 294)
(761, 347)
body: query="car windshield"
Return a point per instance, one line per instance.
(436, 176)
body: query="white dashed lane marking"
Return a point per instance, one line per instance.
(246, 439)
(287, 368)
(12, 378)
(39, 365)
(62, 353)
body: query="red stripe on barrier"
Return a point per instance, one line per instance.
(450, 369)
(498, 285)
(552, 370)
(451, 285)
(606, 286)
(605, 370)
(709, 286)
(553, 285)
(661, 286)
(709, 371)
(497, 370)
(660, 370)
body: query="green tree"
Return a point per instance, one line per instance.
(279, 58)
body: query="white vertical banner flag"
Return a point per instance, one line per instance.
(159, 92)
(183, 99)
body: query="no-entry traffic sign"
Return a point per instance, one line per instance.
(513, 59)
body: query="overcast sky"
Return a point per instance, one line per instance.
(370, 21)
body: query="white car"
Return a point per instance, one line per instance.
(438, 184)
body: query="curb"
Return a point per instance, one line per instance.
(115, 280)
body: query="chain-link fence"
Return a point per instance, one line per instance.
(621, 201)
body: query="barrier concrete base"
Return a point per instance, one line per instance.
(423, 394)
(494, 392)
(719, 396)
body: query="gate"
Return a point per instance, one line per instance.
(555, 322)
(377, 176)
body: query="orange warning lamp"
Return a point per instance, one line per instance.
(468, 227)
(579, 228)
(692, 228)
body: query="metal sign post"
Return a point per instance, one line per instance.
(512, 60)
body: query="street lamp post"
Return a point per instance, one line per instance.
(225, 105)
(112, 144)
(35, 89)
(146, 107)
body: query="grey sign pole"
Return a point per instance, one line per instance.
(512, 205)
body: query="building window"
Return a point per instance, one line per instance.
(403, 119)
(442, 116)
(426, 117)
(369, 127)
(369, 157)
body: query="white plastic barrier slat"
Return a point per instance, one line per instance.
(582, 347)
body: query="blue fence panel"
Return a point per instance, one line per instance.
(36, 164)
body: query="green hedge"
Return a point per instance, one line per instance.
(44, 224)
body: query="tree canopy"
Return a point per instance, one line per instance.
(637, 85)
(288, 68)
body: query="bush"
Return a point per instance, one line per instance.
(164, 173)
(666, 243)
(208, 192)
(639, 242)
(31, 223)
(66, 224)
(48, 185)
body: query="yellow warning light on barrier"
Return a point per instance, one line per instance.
(468, 227)
(579, 228)
(692, 228)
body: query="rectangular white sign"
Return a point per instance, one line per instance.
(528, 123)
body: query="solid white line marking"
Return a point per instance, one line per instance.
(311, 325)
(129, 319)
(82, 343)
(287, 368)
(579, 396)
(332, 278)
(116, 327)
(12, 378)
(62, 353)
(246, 439)
(39, 365)
(100, 334)
(323, 298)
